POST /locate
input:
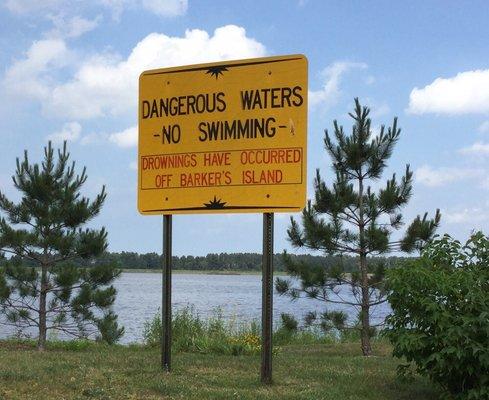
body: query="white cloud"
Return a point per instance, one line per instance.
(370, 80)
(480, 149)
(467, 92)
(378, 110)
(484, 184)
(71, 132)
(332, 75)
(167, 8)
(30, 6)
(94, 138)
(30, 77)
(436, 177)
(163, 8)
(106, 85)
(473, 215)
(116, 6)
(484, 127)
(72, 27)
(126, 138)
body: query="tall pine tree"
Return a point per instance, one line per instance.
(351, 218)
(46, 228)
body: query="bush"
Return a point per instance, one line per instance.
(440, 315)
(289, 323)
(152, 331)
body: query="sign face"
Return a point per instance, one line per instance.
(223, 137)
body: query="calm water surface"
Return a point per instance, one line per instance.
(237, 296)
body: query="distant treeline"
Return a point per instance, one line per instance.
(222, 261)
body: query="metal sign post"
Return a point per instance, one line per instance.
(267, 300)
(166, 300)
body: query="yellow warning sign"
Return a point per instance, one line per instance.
(223, 137)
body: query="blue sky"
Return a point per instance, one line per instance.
(68, 70)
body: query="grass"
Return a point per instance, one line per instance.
(213, 358)
(219, 335)
(94, 371)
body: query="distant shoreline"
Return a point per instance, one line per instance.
(200, 272)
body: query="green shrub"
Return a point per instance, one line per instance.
(289, 323)
(440, 315)
(152, 331)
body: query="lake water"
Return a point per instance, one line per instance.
(237, 296)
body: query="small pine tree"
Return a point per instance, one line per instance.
(45, 230)
(358, 222)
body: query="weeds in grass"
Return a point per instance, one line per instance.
(218, 335)
(65, 345)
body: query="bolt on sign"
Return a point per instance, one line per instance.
(223, 137)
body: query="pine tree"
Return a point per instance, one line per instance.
(351, 218)
(46, 229)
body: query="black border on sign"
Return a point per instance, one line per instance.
(220, 65)
(210, 210)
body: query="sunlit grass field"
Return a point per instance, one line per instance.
(74, 370)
